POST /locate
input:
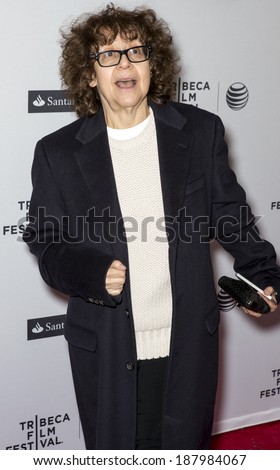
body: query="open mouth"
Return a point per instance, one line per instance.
(126, 83)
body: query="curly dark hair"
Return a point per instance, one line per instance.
(90, 31)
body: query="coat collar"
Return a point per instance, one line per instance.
(167, 114)
(91, 127)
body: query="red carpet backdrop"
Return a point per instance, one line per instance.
(230, 52)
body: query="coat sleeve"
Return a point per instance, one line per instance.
(71, 266)
(234, 224)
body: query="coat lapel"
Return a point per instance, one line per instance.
(95, 163)
(174, 147)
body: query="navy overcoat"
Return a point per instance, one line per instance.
(76, 231)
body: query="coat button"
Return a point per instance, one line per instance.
(129, 365)
(127, 313)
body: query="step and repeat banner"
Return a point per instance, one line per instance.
(230, 52)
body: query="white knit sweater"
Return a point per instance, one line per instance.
(136, 167)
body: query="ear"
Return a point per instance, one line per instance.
(93, 82)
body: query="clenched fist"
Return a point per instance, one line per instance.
(115, 278)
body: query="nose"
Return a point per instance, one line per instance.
(124, 62)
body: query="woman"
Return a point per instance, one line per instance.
(125, 202)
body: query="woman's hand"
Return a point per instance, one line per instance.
(272, 303)
(115, 278)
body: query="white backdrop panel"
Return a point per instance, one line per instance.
(220, 42)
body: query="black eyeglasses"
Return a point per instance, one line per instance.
(113, 57)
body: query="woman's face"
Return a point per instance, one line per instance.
(123, 88)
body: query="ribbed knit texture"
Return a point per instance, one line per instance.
(136, 169)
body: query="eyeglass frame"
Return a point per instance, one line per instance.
(95, 55)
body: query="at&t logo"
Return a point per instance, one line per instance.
(237, 96)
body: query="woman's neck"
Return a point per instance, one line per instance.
(125, 118)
